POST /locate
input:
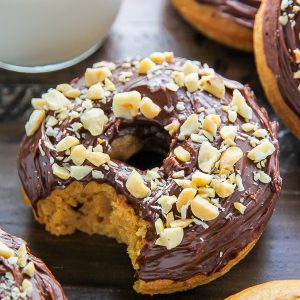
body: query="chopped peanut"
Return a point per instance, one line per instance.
(136, 186)
(203, 209)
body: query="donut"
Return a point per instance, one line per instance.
(279, 289)
(229, 22)
(187, 221)
(277, 55)
(22, 275)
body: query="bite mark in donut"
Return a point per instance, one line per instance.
(186, 222)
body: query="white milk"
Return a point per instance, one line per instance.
(47, 32)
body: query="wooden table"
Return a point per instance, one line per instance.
(95, 267)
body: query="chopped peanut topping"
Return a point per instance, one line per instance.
(148, 108)
(211, 123)
(136, 186)
(79, 172)
(158, 57)
(169, 56)
(201, 179)
(159, 226)
(34, 123)
(207, 157)
(78, 154)
(38, 103)
(228, 132)
(186, 195)
(191, 82)
(56, 100)
(60, 172)
(203, 209)
(29, 269)
(190, 125)
(126, 105)
(172, 127)
(93, 76)
(243, 109)
(27, 287)
(189, 67)
(223, 189)
(260, 133)
(109, 85)
(181, 223)
(94, 120)
(97, 158)
(247, 127)
(66, 143)
(261, 151)
(214, 85)
(68, 90)
(263, 177)
(182, 154)
(172, 86)
(171, 237)
(95, 92)
(240, 207)
(145, 66)
(166, 202)
(229, 157)
(178, 77)
(5, 251)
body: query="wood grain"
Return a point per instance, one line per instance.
(97, 267)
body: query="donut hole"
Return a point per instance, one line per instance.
(154, 159)
(141, 152)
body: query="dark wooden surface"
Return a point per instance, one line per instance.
(95, 267)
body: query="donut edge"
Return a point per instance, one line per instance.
(268, 79)
(270, 290)
(167, 286)
(164, 286)
(217, 28)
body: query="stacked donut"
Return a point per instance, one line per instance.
(185, 222)
(276, 43)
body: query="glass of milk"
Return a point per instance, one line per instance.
(46, 35)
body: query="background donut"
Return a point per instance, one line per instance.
(227, 22)
(22, 275)
(280, 289)
(277, 44)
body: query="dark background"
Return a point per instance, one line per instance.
(95, 267)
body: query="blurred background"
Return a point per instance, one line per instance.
(97, 267)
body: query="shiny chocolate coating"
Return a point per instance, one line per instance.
(279, 42)
(202, 250)
(241, 11)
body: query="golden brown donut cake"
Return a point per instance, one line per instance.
(185, 222)
(273, 290)
(229, 22)
(277, 55)
(22, 275)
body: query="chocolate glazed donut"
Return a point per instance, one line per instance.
(185, 222)
(22, 275)
(277, 55)
(227, 21)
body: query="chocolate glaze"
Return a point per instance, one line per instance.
(199, 252)
(44, 284)
(241, 11)
(279, 41)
